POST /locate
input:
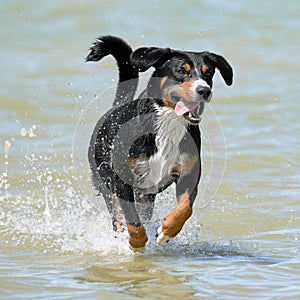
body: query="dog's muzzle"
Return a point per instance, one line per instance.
(204, 92)
(191, 111)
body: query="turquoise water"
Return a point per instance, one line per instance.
(55, 235)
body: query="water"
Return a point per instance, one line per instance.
(243, 239)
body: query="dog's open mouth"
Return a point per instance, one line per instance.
(191, 111)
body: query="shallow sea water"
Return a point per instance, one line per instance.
(56, 241)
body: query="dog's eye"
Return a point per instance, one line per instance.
(181, 71)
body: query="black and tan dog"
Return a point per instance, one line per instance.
(142, 146)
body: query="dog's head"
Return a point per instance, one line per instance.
(183, 80)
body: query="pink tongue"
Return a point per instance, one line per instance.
(183, 107)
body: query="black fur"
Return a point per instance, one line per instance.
(159, 128)
(121, 51)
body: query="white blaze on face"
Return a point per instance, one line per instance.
(199, 82)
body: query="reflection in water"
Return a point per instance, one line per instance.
(158, 275)
(139, 276)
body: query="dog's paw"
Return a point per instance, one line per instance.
(137, 236)
(161, 238)
(137, 250)
(137, 245)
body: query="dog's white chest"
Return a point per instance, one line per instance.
(170, 131)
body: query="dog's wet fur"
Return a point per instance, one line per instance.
(141, 146)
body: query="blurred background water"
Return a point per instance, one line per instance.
(56, 240)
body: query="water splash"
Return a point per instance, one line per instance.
(4, 184)
(45, 210)
(64, 220)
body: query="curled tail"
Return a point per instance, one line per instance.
(120, 50)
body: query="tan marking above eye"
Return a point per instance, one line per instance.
(187, 67)
(204, 68)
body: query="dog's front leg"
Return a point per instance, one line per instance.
(186, 191)
(174, 222)
(137, 233)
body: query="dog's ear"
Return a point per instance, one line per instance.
(221, 63)
(144, 58)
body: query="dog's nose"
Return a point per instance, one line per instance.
(204, 92)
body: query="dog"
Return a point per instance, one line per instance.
(142, 146)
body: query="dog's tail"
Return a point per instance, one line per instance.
(120, 50)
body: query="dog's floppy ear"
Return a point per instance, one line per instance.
(144, 58)
(221, 63)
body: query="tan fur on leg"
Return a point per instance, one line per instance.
(175, 220)
(137, 236)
